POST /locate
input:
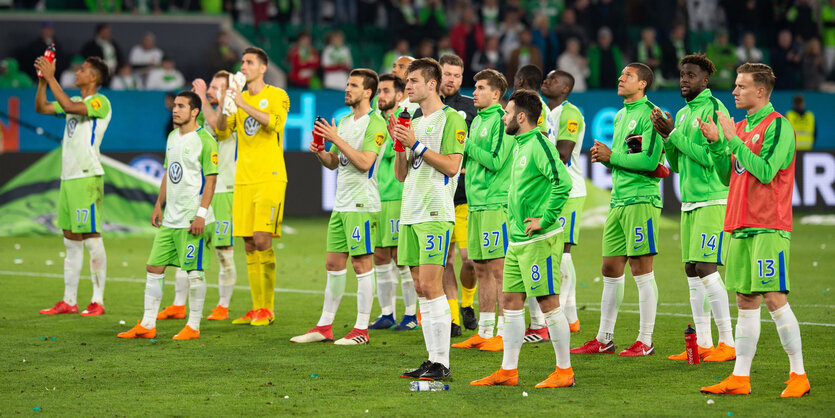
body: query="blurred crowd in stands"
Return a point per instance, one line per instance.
(591, 39)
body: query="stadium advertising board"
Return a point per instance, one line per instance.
(140, 117)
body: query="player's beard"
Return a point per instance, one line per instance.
(385, 107)
(349, 102)
(512, 127)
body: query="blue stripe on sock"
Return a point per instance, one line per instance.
(781, 264)
(548, 265)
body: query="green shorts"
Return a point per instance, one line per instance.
(533, 268)
(702, 238)
(222, 208)
(570, 219)
(424, 243)
(631, 230)
(177, 247)
(79, 204)
(758, 263)
(487, 234)
(388, 228)
(354, 229)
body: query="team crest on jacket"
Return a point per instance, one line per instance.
(523, 161)
(632, 124)
(738, 168)
(251, 126)
(343, 160)
(755, 138)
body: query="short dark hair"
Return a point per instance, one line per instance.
(763, 74)
(369, 79)
(527, 102)
(101, 26)
(531, 76)
(451, 59)
(258, 52)
(644, 73)
(101, 68)
(222, 74)
(194, 101)
(494, 79)
(399, 84)
(701, 60)
(567, 76)
(429, 69)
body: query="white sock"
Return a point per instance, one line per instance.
(647, 305)
(386, 283)
(500, 326)
(426, 327)
(441, 319)
(407, 285)
(609, 304)
(568, 274)
(701, 319)
(180, 287)
(196, 298)
(98, 267)
(789, 332)
(560, 336)
(747, 336)
(153, 297)
(537, 317)
(514, 331)
(72, 270)
(486, 323)
(365, 298)
(334, 289)
(226, 275)
(718, 298)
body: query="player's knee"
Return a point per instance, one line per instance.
(775, 300)
(705, 269)
(690, 270)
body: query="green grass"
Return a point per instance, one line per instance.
(242, 370)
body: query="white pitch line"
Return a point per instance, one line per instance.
(319, 292)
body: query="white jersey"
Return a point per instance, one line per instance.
(428, 193)
(409, 106)
(566, 123)
(227, 151)
(356, 191)
(80, 154)
(188, 158)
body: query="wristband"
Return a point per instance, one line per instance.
(202, 212)
(419, 148)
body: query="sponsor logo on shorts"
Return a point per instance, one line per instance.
(251, 126)
(492, 251)
(72, 123)
(764, 282)
(572, 126)
(175, 172)
(354, 248)
(535, 287)
(433, 255)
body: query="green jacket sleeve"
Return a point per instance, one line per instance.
(549, 164)
(501, 146)
(647, 159)
(777, 151)
(672, 153)
(721, 159)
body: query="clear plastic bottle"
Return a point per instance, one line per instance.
(423, 386)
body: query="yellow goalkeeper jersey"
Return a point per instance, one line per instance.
(260, 150)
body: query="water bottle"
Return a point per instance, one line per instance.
(49, 54)
(691, 347)
(404, 119)
(318, 140)
(423, 386)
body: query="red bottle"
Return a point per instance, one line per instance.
(404, 119)
(318, 140)
(49, 54)
(691, 347)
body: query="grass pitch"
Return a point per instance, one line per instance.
(69, 365)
